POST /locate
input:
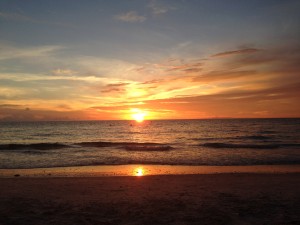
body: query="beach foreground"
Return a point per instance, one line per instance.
(174, 199)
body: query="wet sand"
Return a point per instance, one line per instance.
(240, 198)
(132, 170)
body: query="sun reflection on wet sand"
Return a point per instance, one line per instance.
(139, 172)
(145, 170)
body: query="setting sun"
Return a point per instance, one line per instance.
(139, 172)
(138, 115)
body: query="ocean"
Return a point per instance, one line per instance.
(214, 142)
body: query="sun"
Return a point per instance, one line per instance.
(139, 172)
(138, 115)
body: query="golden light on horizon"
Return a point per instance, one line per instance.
(139, 172)
(138, 115)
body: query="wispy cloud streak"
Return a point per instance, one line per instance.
(236, 52)
(131, 17)
(24, 18)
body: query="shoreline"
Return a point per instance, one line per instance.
(146, 170)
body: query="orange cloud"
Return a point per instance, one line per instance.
(118, 87)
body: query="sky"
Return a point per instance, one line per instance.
(165, 59)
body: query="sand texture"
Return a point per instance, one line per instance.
(184, 199)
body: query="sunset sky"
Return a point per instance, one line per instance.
(94, 60)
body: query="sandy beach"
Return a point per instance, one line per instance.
(166, 199)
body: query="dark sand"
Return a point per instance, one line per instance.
(175, 199)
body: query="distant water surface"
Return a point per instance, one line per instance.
(164, 142)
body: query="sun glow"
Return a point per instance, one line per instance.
(139, 172)
(138, 115)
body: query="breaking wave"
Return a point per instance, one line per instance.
(128, 146)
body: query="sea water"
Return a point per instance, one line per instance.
(213, 142)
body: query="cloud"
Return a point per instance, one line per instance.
(240, 86)
(24, 18)
(275, 101)
(63, 72)
(221, 76)
(11, 106)
(103, 67)
(188, 67)
(23, 114)
(118, 87)
(158, 8)
(131, 17)
(155, 81)
(38, 61)
(284, 58)
(173, 67)
(266, 81)
(10, 52)
(16, 16)
(10, 92)
(236, 52)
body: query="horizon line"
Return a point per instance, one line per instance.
(210, 118)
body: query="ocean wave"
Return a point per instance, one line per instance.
(129, 146)
(291, 145)
(205, 139)
(37, 146)
(100, 144)
(268, 132)
(246, 137)
(230, 145)
(148, 147)
(254, 137)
